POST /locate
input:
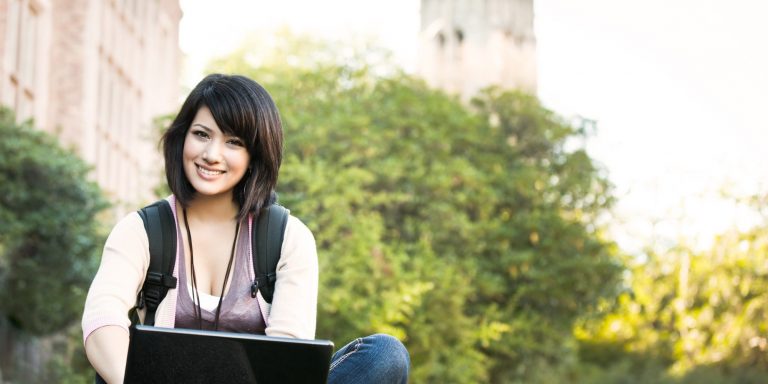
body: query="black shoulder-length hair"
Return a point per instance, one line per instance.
(242, 108)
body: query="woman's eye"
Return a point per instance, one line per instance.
(236, 142)
(202, 134)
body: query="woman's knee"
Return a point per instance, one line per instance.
(376, 358)
(396, 353)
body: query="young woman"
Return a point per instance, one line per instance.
(222, 155)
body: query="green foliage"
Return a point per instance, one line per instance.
(48, 231)
(541, 254)
(69, 364)
(467, 231)
(702, 315)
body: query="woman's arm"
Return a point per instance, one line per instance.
(112, 294)
(107, 350)
(294, 305)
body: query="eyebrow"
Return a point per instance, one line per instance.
(209, 130)
(202, 126)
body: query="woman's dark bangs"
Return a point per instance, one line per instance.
(232, 118)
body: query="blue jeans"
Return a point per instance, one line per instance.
(377, 358)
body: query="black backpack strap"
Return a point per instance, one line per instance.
(267, 243)
(161, 233)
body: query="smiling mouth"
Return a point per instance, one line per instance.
(208, 172)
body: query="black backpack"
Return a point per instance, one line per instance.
(158, 220)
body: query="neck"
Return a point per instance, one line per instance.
(213, 208)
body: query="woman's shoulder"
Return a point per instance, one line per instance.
(132, 224)
(131, 221)
(128, 230)
(298, 240)
(126, 248)
(297, 228)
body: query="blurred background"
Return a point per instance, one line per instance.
(521, 191)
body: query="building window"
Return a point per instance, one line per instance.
(23, 37)
(459, 35)
(441, 40)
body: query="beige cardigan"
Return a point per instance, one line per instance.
(124, 263)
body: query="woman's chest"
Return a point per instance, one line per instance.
(209, 259)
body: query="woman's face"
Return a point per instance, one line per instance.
(213, 162)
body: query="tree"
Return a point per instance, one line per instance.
(49, 237)
(467, 231)
(48, 229)
(701, 315)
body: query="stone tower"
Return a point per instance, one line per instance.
(470, 44)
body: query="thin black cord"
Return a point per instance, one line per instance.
(196, 298)
(198, 311)
(226, 277)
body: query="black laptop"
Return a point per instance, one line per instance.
(166, 355)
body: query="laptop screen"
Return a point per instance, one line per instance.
(167, 355)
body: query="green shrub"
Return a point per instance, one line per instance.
(48, 230)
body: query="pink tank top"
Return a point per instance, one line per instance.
(239, 311)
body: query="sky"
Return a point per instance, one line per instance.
(679, 90)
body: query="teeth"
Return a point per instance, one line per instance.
(208, 172)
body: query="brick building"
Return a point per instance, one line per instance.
(95, 73)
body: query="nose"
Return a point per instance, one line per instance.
(212, 153)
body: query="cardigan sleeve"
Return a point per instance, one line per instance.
(294, 306)
(113, 291)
